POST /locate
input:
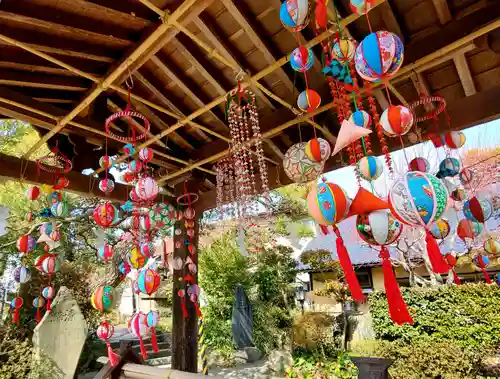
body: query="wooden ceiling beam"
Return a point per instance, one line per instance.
(422, 87)
(34, 80)
(35, 68)
(258, 42)
(115, 74)
(443, 11)
(66, 31)
(464, 73)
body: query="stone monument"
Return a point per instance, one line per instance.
(242, 320)
(61, 334)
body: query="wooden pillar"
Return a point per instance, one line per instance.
(184, 329)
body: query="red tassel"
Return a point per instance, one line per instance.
(198, 311)
(320, 14)
(345, 262)
(438, 263)
(183, 305)
(154, 342)
(38, 316)
(144, 353)
(15, 318)
(324, 229)
(456, 278)
(48, 305)
(114, 358)
(398, 309)
(486, 276)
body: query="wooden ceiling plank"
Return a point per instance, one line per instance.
(390, 21)
(464, 73)
(443, 11)
(54, 101)
(25, 79)
(258, 42)
(65, 30)
(163, 99)
(190, 93)
(35, 68)
(222, 48)
(137, 55)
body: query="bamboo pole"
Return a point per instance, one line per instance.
(105, 83)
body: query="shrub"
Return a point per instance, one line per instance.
(466, 314)
(314, 332)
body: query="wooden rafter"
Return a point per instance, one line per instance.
(422, 87)
(464, 73)
(443, 11)
(115, 74)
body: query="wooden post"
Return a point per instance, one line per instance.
(184, 329)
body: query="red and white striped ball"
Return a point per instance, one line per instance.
(106, 185)
(32, 192)
(454, 140)
(147, 188)
(146, 155)
(396, 120)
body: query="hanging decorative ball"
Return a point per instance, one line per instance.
(361, 119)
(103, 298)
(449, 167)
(60, 209)
(29, 216)
(469, 229)
(62, 182)
(302, 59)
(104, 214)
(480, 260)
(137, 260)
(25, 244)
(148, 281)
(152, 319)
(178, 232)
(298, 166)
(396, 120)
(145, 223)
(129, 149)
(492, 246)
(128, 176)
(378, 228)
(189, 214)
(106, 162)
(50, 265)
(134, 196)
(105, 252)
(477, 209)
(318, 150)
(418, 199)
(369, 168)
(327, 203)
(55, 235)
(179, 215)
(38, 302)
(379, 56)
(135, 166)
(419, 164)
(146, 154)
(147, 188)
(190, 233)
(308, 100)
(454, 140)
(46, 228)
(466, 176)
(48, 292)
(361, 7)
(33, 192)
(343, 50)
(124, 268)
(440, 229)
(105, 331)
(54, 197)
(148, 249)
(39, 261)
(106, 185)
(22, 274)
(458, 194)
(294, 14)
(138, 325)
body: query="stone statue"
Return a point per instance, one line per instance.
(242, 319)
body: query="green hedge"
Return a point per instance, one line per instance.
(468, 315)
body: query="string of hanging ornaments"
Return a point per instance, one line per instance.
(237, 187)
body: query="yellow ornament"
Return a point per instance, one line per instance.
(47, 188)
(137, 260)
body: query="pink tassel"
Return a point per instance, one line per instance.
(143, 349)
(114, 358)
(154, 342)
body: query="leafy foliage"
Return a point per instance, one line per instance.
(316, 367)
(321, 260)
